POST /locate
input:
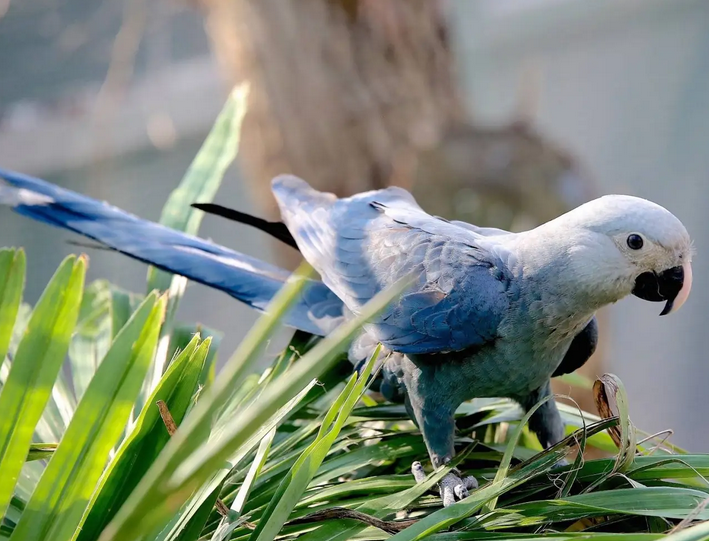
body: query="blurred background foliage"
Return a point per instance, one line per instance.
(499, 112)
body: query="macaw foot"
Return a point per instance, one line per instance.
(452, 487)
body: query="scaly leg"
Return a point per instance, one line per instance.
(437, 425)
(546, 422)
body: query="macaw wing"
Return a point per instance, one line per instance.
(361, 245)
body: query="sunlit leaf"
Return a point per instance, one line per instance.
(36, 364)
(58, 503)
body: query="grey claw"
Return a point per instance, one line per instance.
(470, 482)
(447, 495)
(461, 491)
(417, 471)
(452, 487)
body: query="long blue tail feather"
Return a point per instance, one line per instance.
(245, 278)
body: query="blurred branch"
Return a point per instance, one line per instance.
(4, 7)
(528, 93)
(119, 74)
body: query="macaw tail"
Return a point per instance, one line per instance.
(245, 278)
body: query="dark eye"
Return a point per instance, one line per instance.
(635, 242)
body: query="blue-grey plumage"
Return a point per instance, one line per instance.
(490, 313)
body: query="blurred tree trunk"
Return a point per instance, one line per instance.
(341, 90)
(354, 95)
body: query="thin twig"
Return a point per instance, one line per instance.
(666, 434)
(171, 426)
(221, 508)
(340, 513)
(92, 245)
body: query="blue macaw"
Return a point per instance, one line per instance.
(490, 313)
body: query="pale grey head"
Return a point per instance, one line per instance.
(621, 245)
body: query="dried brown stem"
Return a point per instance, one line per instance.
(340, 513)
(167, 418)
(171, 426)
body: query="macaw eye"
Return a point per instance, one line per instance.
(635, 242)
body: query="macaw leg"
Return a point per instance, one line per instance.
(546, 422)
(437, 425)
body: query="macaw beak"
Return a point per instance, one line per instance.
(672, 286)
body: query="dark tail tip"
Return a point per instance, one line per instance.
(277, 230)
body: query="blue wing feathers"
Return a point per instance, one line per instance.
(365, 243)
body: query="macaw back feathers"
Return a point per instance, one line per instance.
(365, 243)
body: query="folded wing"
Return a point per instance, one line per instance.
(363, 244)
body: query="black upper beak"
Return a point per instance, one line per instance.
(665, 286)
